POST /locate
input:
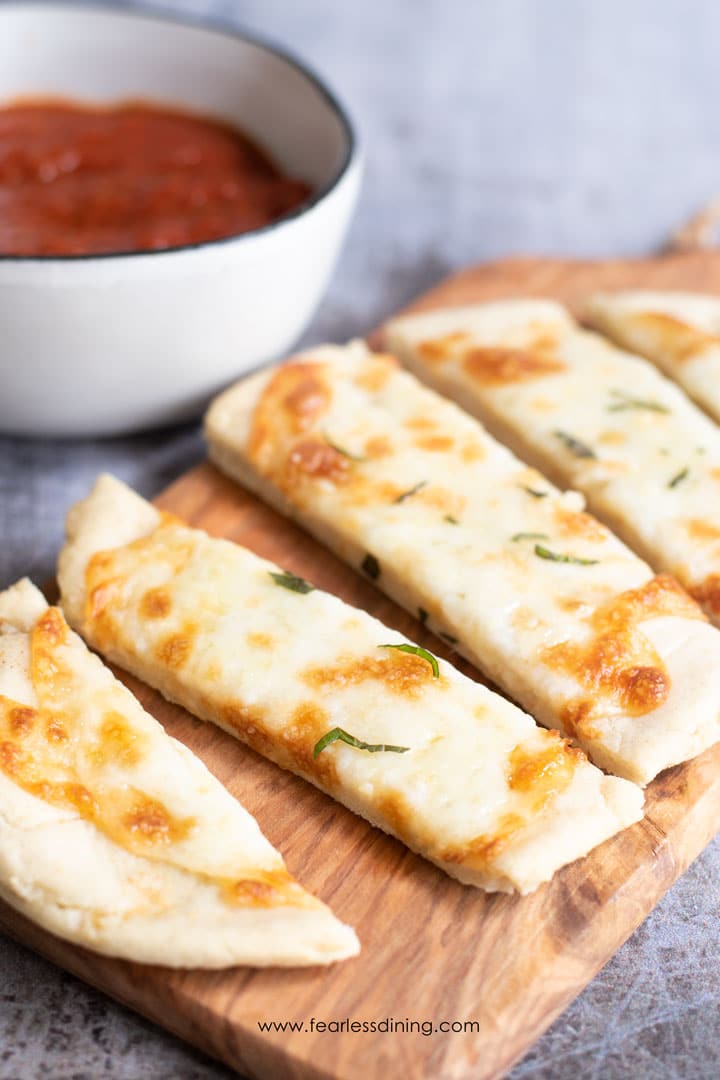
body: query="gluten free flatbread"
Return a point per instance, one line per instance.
(456, 772)
(589, 415)
(678, 331)
(114, 836)
(488, 553)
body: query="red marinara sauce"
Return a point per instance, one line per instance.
(82, 180)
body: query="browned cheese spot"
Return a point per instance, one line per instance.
(378, 446)
(375, 373)
(472, 451)
(149, 821)
(259, 640)
(22, 720)
(672, 336)
(117, 741)
(55, 729)
(174, 650)
(703, 531)
(107, 573)
(707, 593)
(575, 524)
(317, 460)
(420, 423)
(439, 349)
(308, 723)
(540, 775)
(435, 443)
(155, 604)
(618, 664)
(294, 400)
(401, 673)
(498, 366)
(266, 889)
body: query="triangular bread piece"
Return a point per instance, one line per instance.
(115, 836)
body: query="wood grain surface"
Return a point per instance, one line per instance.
(433, 951)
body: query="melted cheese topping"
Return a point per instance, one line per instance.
(82, 751)
(680, 332)
(475, 767)
(490, 555)
(648, 460)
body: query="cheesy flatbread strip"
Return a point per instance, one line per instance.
(678, 331)
(590, 416)
(484, 550)
(115, 836)
(457, 773)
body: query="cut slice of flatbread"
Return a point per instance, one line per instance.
(544, 599)
(114, 836)
(678, 331)
(589, 415)
(456, 772)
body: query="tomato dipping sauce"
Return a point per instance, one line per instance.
(83, 180)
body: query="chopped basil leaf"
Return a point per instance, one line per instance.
(422, 615)
(448, 637)
(342, 450)
(417, 650)
(535, 493)
(553, 556)
(625, 401)
(529, 536)
(579, 449)
(292, 582)
(337, 733)
(679, 477)
(451, 520)
(371, 566)
(410, 492)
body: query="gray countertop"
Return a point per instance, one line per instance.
(491, 127)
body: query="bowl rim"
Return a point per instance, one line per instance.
(223, 28)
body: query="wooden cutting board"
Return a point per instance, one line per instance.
(433, 951)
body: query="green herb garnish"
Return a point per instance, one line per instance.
(417, 650)
(579, 449)
(342, 450)
(529, 536)
(451, 520)
(338, 733)
(370, 566)
(292, 582)
(422, 615)
(535, 493)
(679, 477)
(625, 401)
(553, 556)
(448, 637)
(410, 492)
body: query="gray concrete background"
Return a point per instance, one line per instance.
(491, 127)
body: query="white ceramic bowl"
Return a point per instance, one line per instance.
(106, 344)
